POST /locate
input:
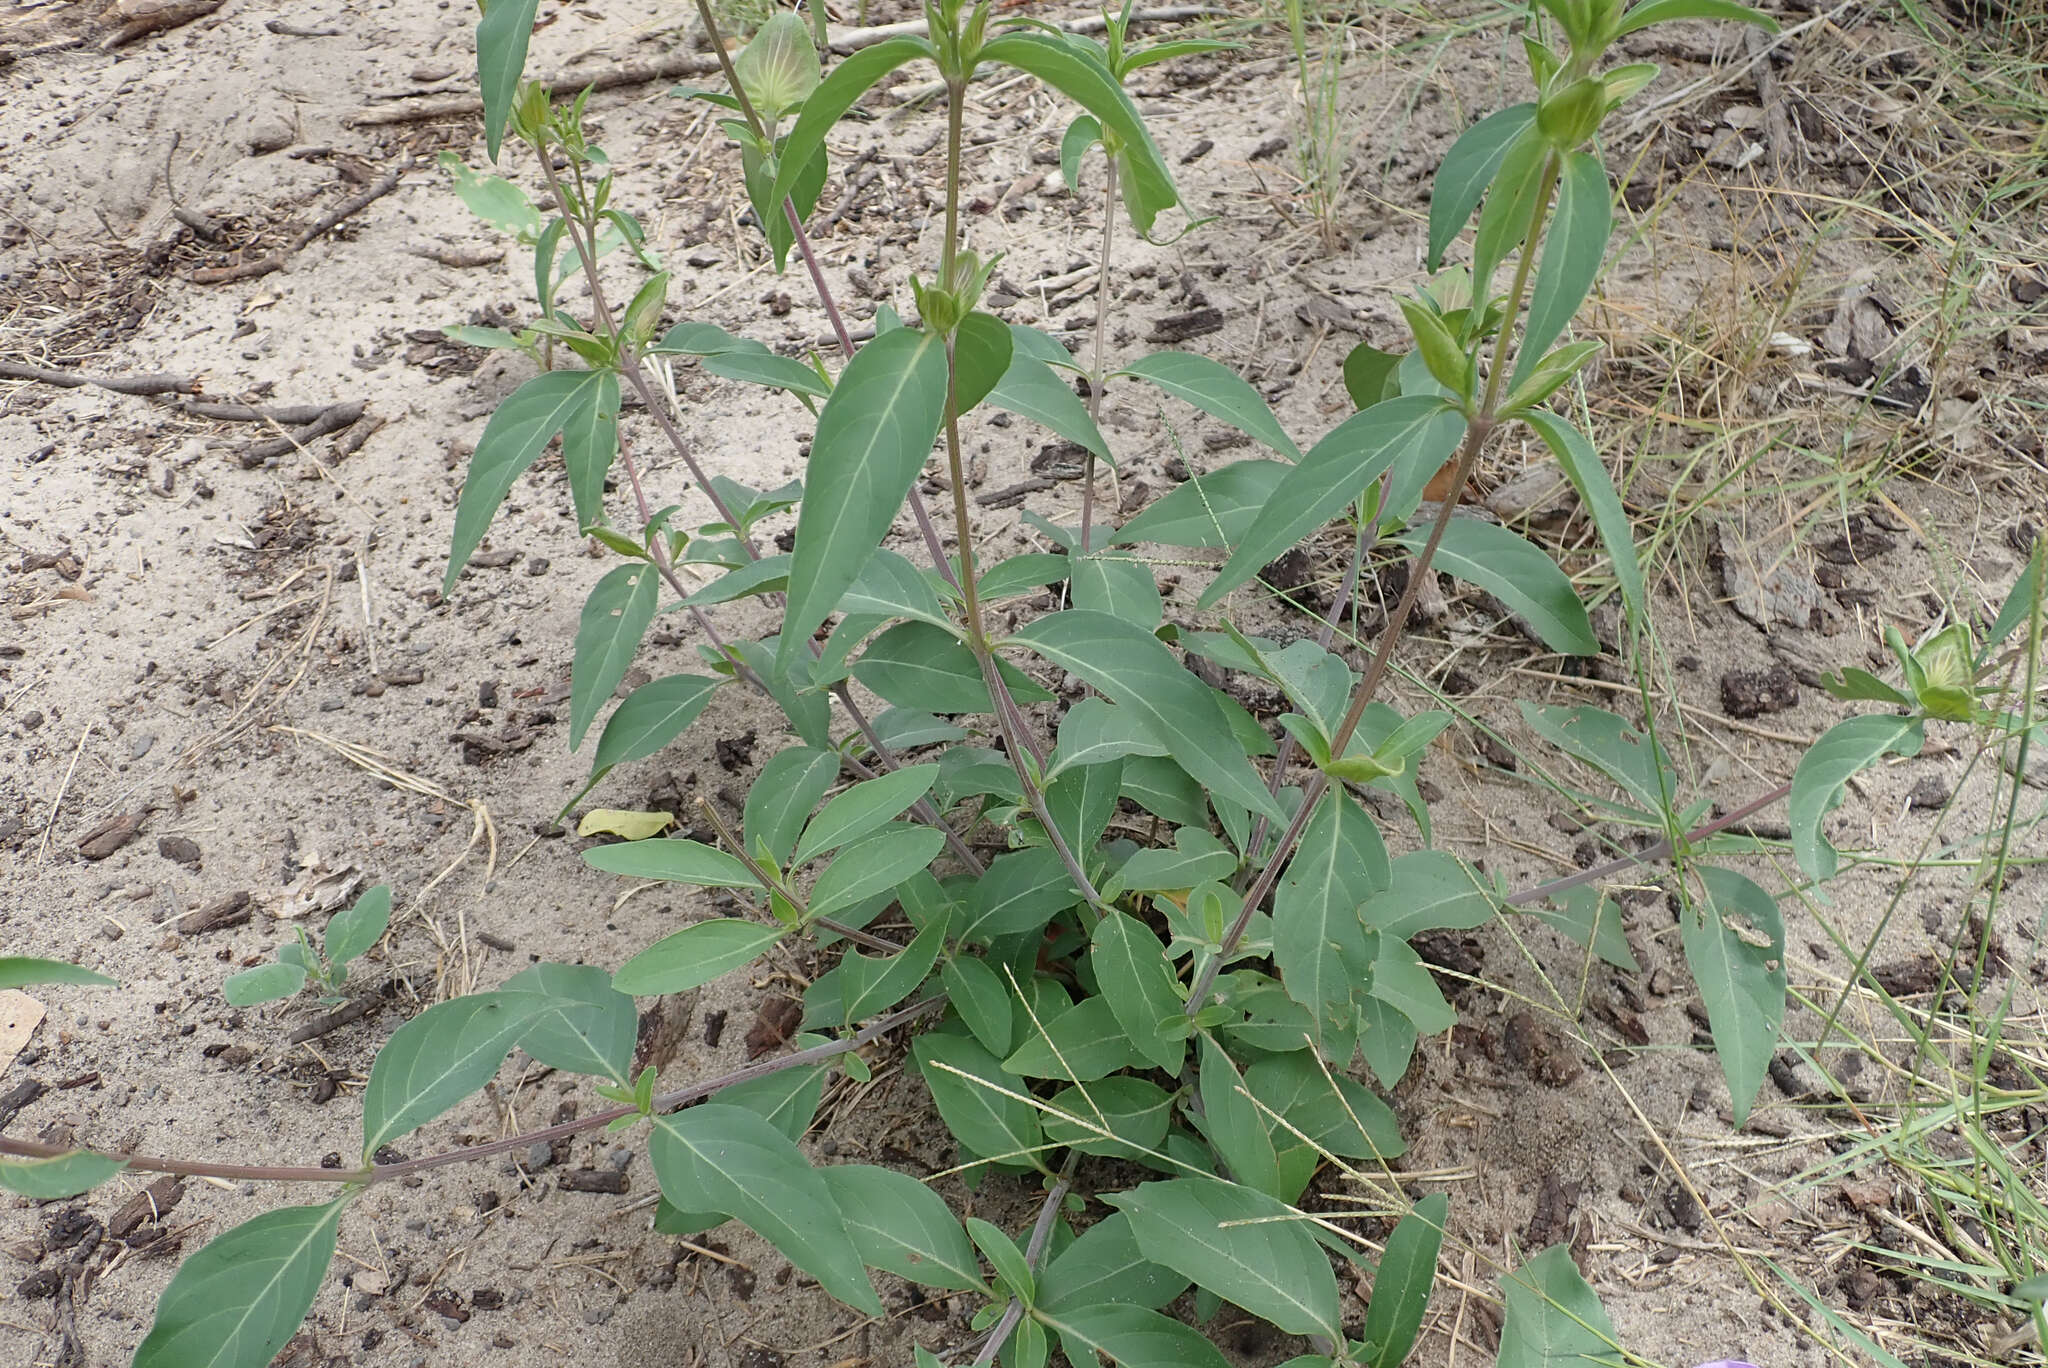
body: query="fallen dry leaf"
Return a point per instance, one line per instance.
(20, 1014)
(110, 835)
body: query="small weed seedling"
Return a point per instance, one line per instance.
(299, 964)
(1179, 941)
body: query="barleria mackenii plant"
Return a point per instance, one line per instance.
(1190, 1005)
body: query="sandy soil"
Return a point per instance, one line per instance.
(250, 657)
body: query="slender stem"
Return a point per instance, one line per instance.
(1658, 851)
(385, 1173)
(956, 113)
(1041, 1234)
(1097, 375)
(817, 273)
(1479, 427)
(732, 76)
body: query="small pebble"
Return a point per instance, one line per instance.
(138, 746)
(538, 1154)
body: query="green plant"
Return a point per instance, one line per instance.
(1175, 958)
(349, 934)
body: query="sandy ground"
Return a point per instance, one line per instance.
(250, 656)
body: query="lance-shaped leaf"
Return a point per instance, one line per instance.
(730, 1160)
(873, 437)
(1518, 574)
(1823, 774)
(677, 861)
(1663, 11)
(615, 617)
(1554, 1320)
(834, 96)
(984, 1107)
(1582, 465)
(981, 354)
(1466, 171)
(1735, 947)
(1216, 390)
(1246, 1247)
(1400, 1289)
(653, 715)
(1323, 951)
(236, 1302)
(694, 956)
(1076, 70)
(1030, 389)
(781, 799)
(502, 35)
(1213, 510)
(901, 1226)
(1573, 247)
(440, 1057)
(512, 440)
(1334, 475)
(62, 1175)
(20, 971)
(1105, 1265)
(1136, 671)
(593, 1030)
(862, 808)
(1131, 1337)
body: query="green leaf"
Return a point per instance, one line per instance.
(918, 665)
(1400, 1290)
(1861, 686)
(787, 1099)
(983, 1106)
(1095, 732)
(874, 864)
(891, 586)
(22, 971)
(1573, 248)
(62, 1175)
(1334, 475)
(694, 956)
(1136, 671)
(1133, 1111)
(901, 1226)
(1403, 982)
(863, 808)
(499, 203)
(1118, 584)
(1030, 389)
(1235, 1127)
(674, 860)
(265, 983)
(1370, 375)
(1323, 952)
(1076, 70)
(615, 617)
(1216, 390)
(1082, 801)
(1823, 773)
(1504, 219)
(983, 1002)
(1131, 1337)
(1386, 1040)
(1165, 790)
(1519, 575)
(1078, 1045)
(236, 1302)
(727, 1159)
(502, 34)
(981, 355)
(512, 440)
(355, 929)
(594, 1029)
(1554, 1320)
(1013, 1273)
(1588, 474)
(1196, 857)
(1105, 1266)
(1241, 1245)
(873, 437)
(590, 442)
(1209, 511)
(1735, 946)
(652, 715)
(902, 729)
(1610, 745)
(1593, 919)
(1141, 988)
(743, 358)
(1083, 133)
(778, 68)
(781, 798)
(1020, 574)
(1663, 11)
(1449, 364)
(440, 1057)
(1466, 171)
(1334, 1111)
(1547, 374)
(768, 575)
(846, 83)
(869, 985)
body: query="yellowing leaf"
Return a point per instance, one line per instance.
(631, 826)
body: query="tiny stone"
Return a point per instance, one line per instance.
(538, 1154)
(138, 746)
(1930, 792)
(620, 1158)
